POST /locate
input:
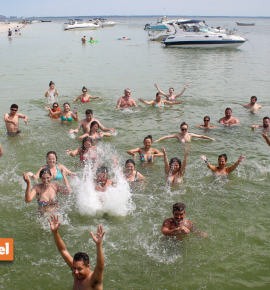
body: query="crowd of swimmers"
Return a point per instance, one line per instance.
(92, 131)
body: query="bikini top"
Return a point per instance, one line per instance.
(59, 175)
(157, 106)
(97, 138)
(83, 101)
(66, 119)
(135, 177)
(143, 159)
(85, 157)
(176, 179)
(43, 202)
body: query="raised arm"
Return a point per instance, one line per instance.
(55, 225)
(231, 168)
(160, 90)
(104, 129)
(184, 164)
(75, 116)
(133, 151)
(29, 195)
(173, 103)
(266, 137)
(166, 161)
(35, 176)
(64, 189)
(101, 134)
(1, 151)
(166, 137)
(212, 167)
(58, 113)
(23, 117)
(7, 120)
(90, 97)
(78, 98)
(201, 136)
(178, 95)
(97, 276)
(157, 153)
(74, 153)
(146, 102)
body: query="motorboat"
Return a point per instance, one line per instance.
(35, 21)
(160, 35)
(79, 24)
(160, 25)
(245, 24)
(103, 22)
(197, 34)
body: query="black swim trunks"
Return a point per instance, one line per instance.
(13, 134)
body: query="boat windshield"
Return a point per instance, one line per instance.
(196, 27)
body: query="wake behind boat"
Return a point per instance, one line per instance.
(75, 24)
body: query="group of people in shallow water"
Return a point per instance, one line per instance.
(50, 174)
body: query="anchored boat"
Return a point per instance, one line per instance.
(75, 24)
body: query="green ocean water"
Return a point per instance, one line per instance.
(233, 212)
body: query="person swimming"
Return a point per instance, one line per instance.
(94, 134)
(85, 98)
(222, 170)
(158, 103)
(66, 115)
(51, 94)
(206, 125)
(171, 97)
(55, 108)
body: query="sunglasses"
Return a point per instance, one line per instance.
(184, 129)
(55, 106)
(206, 120)
(84, 91)
(14, 110)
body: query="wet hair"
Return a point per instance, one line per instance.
(84, 88)
(44, 171)
(179, 206)
(158, 93)
(102, 169)
(227, 109)
(51, 152)
(184, 123)
(81, 256)
(148, 137)
(66, 104)
(88, 112)
(14, 106)
(129, 161)
(94, 123)
(87, 138)
(56, 104)
(223, 155)
(254, 97)
(171, 88)
(206, 117)
(266, 118)
(175, 159)
(51, 83)
(126, 90)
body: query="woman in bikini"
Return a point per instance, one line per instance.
(86, 152)
(55, 108)
(94, 134)
(85, 98)
(46, 192)
(51, 93)
(58, 171)
(66, 115)
(174, 170)
(158, 103)
(147, 154)
(171, 97)
(184, 136)
(206, 125)
(222, 170)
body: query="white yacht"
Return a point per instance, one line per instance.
(79, 24)
(103, 22)
(195, 33)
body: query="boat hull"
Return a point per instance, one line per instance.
(245, 24)
(206, 44)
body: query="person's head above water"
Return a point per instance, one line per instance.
(94, 126)
(228, 112)
(80, 265)
(55, 105)
(66, 106)
(44, 171)
(130, 164)
(158, 96)
(102, 175)
(51, 84)
(266, 122)
(127, 92)
(184, 127)
(253, 99)
(171, 90)
(51, 157)
(86, 143)
(222, 160)
(179, 211)
(175, 164)
(84, 90)
(148, 141)
(13, 109)
(179, 206)
(206, 119)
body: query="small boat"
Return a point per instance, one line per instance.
(123, 38)
(79, 24)
(45, 21)
(245, 24)
(34, 21)
(160, 25)
(103, 22)
(160, 35)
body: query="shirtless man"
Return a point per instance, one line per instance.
(126, 101)
(265, 125)
(178, 226)
(84, 39)
(252, 105)
(206, 125)
(85, 124)
(12, 121)
(84, 278)
(228, 120)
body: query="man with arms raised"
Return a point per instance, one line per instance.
(126, 101)
(229, 120)
(84, 278)
(178, 226)
(12, 121)
(252, 105)
(85, 124)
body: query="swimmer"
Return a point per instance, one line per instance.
(86, 152)
(252, 105)
(228, 120)
(9, 33)
(147, 154)
(174, 171)
(266, 138)
(158, 103)
(206, 125)
(1, 151)
(84, 278)
(126, 101)
(171, 97)
(91, 39)
(55, 108)
(12, 121)
(94, 134)
(222, 170)
(85, 97)
(178, 226)
(83, 39)
(46, 192)
(66, 115)
(58, 171)
(102, 180)
(185, 136)
(85, 124)
(265, 125)
(51, 93)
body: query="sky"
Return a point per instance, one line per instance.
(43, 8)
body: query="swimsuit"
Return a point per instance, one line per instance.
(43, 202)
(97, 138)
(51, 97)
(143, 159)
(13, 134)
(175, 180)
(57, 110)
(136, 178)
(66, 119)
(185, 142)
(83, 101)
(59, 175)
(92, 155)
(157, 106)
